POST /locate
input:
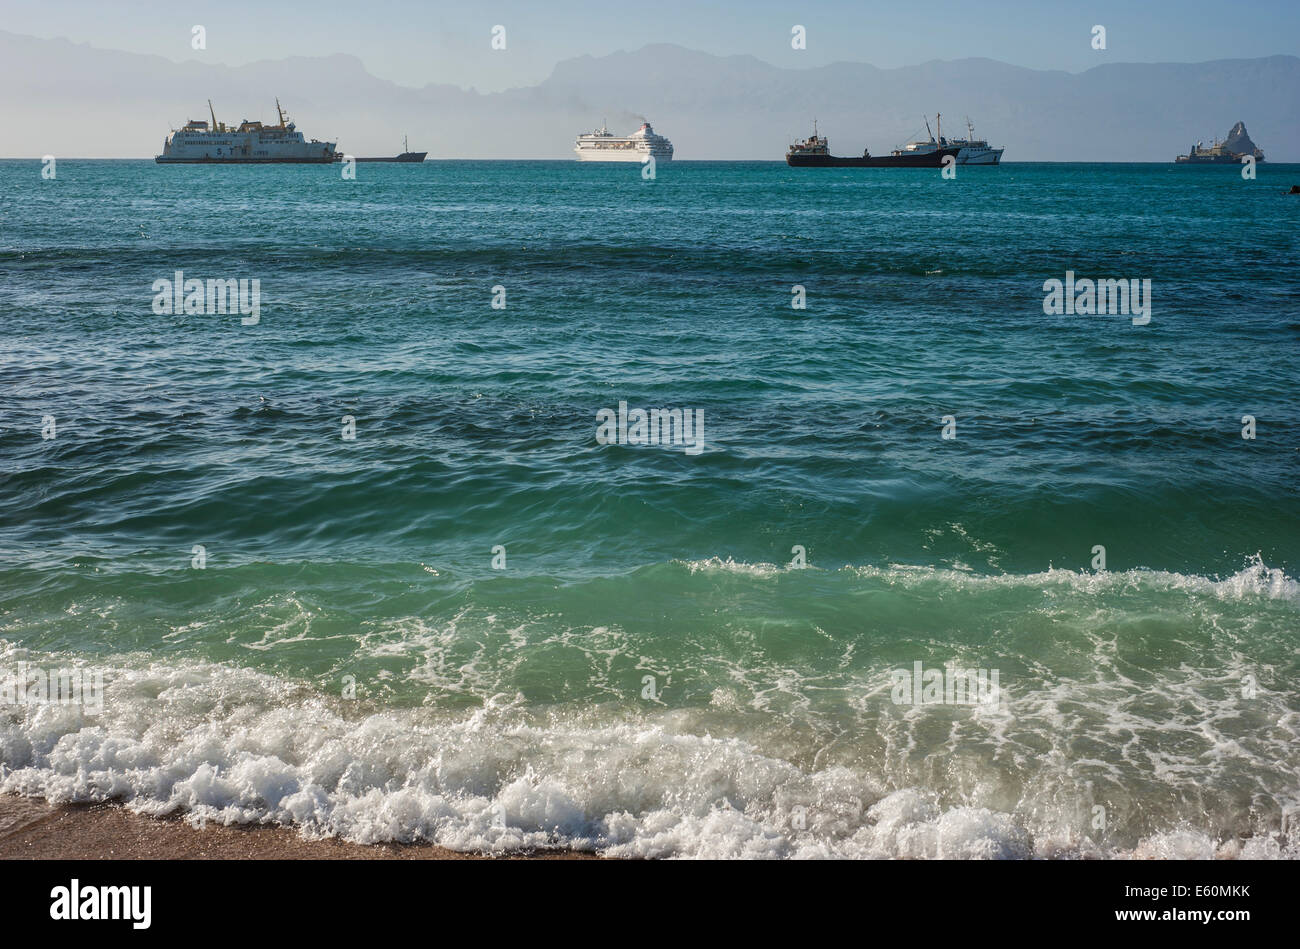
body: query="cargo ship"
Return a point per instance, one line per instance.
(814, 152)
(249, 143)
(406, 156)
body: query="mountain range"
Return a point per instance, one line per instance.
(73, 100)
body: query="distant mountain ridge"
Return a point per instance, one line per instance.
(74, 100)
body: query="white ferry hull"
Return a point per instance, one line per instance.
(592, 154)
(171, 160)
(979, 156)
(250, 151)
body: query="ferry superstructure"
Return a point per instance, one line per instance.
(249, 143)
(972, 150)
(603, 145)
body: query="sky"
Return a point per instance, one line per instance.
(415, 42)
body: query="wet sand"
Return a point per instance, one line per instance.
(32, 829)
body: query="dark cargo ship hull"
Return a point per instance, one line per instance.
(404, 157)
(932, 159)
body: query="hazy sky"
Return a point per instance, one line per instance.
(414, 43)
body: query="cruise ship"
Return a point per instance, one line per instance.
(973, 151)
(603, 145)
(251, 143)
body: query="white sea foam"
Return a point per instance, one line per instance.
(1255, 579)
(781, 758)
(235, 746)
(719, 565)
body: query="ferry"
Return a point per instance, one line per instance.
(972, 150)
(603, 145)
(249, 143)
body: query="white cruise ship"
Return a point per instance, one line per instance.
(602, 145)
(251, 143)
(974, 151)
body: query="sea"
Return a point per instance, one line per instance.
(730, 511)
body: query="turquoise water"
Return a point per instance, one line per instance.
(649, 673)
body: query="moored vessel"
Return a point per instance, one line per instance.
(249, 143)
(972, 150)
(406, 156)
(603, 145)
(814, 152)
(1230, 151)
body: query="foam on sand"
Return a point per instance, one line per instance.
(235, 746)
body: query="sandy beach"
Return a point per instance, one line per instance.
(33, 829)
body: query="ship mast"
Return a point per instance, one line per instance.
(279, 110)
(938, 122)
(212, 112)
